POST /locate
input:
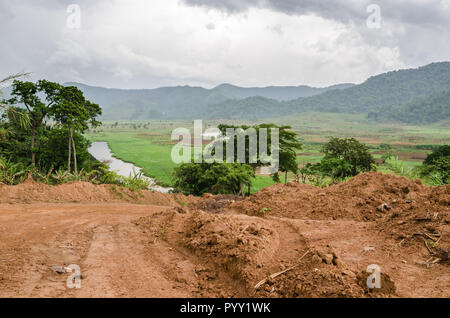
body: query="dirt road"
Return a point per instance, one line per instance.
(180, 250)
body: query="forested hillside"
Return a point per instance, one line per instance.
(386, 91)
(423, 110)
(186, 102)
(410, 96)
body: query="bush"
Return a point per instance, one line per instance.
(436, 167)
(215, 178)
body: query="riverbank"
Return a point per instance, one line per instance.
(102, 152)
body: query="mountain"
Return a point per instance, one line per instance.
(280, 93)
(165, 102)
(383, 92)
(423, 110)
(186, 102)
(411, 96)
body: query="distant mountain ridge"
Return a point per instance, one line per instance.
(280, 93)
(182, 102)
(416, 96)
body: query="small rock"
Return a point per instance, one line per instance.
(328, 258)
(369, 248)
(347, 272)
(404, 262)
(180, 210)
(401, 222)
(316, 259)
(322, 194)
(58, 269)
(383, 207)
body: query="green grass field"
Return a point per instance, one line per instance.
(148, 144)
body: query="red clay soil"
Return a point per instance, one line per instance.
(285, 241)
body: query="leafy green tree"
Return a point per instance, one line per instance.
(288, 162)
(216, 178)
(22, 117)
(352, 151)
(388, 155)
(334, 167)
(437, 165)
(28, 95)
(76, 113)
(440, 152)
(53, 153)
(288, 146)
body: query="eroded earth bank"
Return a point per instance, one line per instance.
(286, 241)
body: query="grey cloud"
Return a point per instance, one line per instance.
(415, 12)
(412, 25)
(38, 42)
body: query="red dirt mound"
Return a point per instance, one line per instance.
(290, 241)
(85, 192)
(358, 199)
(238, 245)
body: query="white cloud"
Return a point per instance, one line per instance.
(144, 43)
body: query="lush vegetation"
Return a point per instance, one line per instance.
(216, 178)
(343, 158)
(41, 136)
(423, 110)
(437, 166)
(233, 178)
(39, 144)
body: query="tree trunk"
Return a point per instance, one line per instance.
(33, 154)
(75, 165)
(70, 149)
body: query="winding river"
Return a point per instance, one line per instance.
(102, 152)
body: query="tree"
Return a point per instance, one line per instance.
(387, 155)
(22, 117)
(437, 165)
(334, 167)
(216, 178)
(288, 162)
(76, 113)
(27, 94)
(352, 151)
(440, 152)
(288, 144)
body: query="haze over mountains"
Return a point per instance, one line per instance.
(417, 96)
(185, 101)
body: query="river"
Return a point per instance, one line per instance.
(102, 152)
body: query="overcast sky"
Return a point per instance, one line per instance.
(152, 43)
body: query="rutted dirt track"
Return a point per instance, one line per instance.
(153, 245)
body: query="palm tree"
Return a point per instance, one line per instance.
(22, 117)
